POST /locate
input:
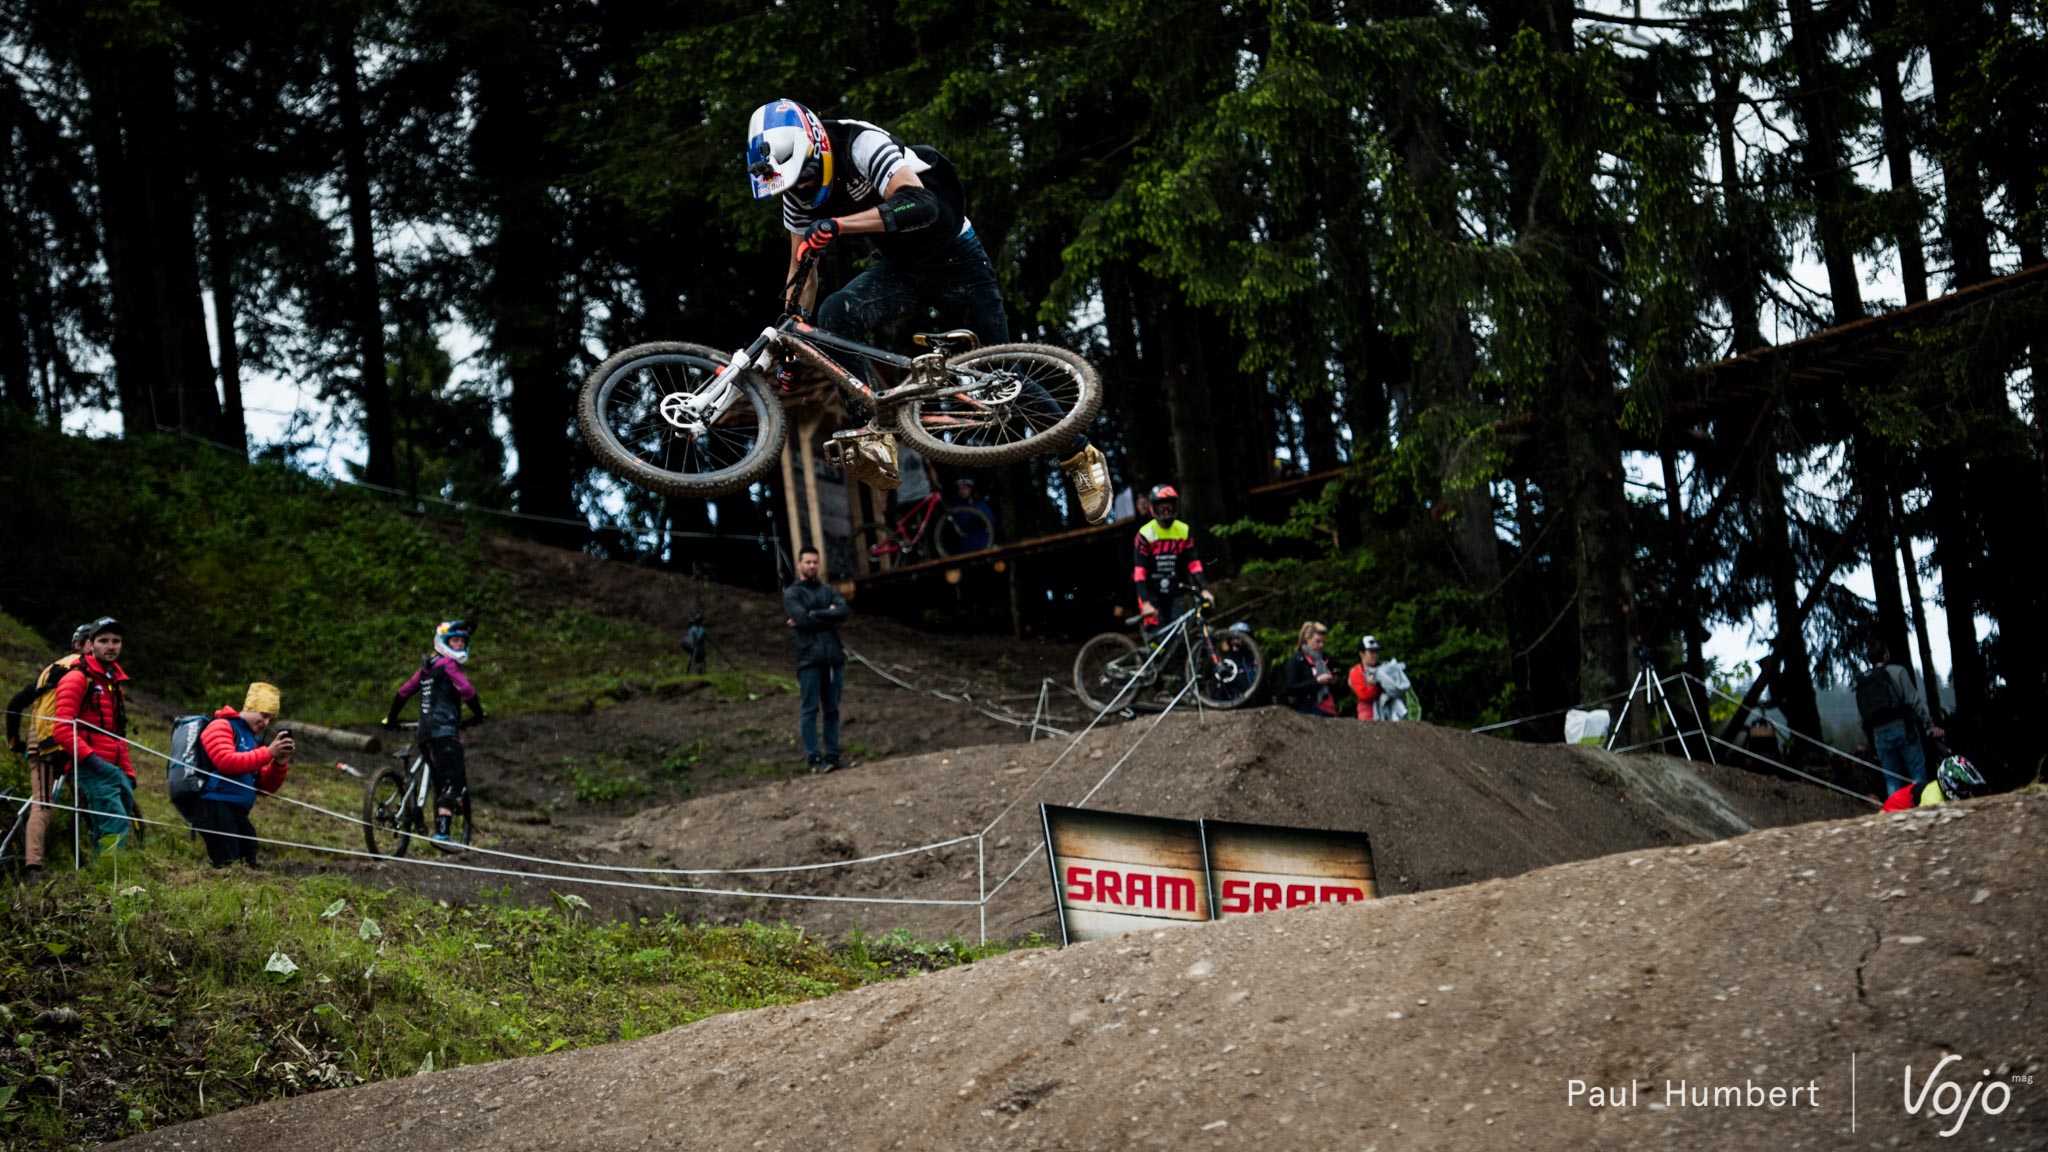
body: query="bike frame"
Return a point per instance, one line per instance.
(923, 511)
(794, 336)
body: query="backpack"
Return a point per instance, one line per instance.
(1877, 699)
(187, 767)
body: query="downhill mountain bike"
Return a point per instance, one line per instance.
(398, 805)
(950, 531)
(1115, 669)
(686, 420)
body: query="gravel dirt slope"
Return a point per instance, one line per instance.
(1443, 1020)
(1443, 807)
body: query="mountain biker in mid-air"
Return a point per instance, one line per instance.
(1164, 563)
(443, 690)
(850, 177)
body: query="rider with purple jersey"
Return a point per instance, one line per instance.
(847, 177)
(443, 689)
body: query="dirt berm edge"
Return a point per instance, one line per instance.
(1454, 1018)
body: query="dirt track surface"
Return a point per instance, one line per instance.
(1452, 1019)
(1442, 807)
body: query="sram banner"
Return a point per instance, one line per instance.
(1257, 867)
(1116, 873)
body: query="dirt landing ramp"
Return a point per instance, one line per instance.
(1443, 808)
(1450, 1019)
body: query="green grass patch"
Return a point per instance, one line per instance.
(198, 991)
(227, 572)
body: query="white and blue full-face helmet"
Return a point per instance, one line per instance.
(788, 152)
(449, 630)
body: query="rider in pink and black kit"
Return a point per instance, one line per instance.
(443, 690)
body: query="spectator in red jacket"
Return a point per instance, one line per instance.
(90, 725)
(1363, 685)
(238, 767)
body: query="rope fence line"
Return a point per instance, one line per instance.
(548, 861)
(980, 838)
(591, 880)
(995, 712)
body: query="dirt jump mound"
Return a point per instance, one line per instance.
(1713, 995)
(1443, 807)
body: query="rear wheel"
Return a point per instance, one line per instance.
(959, 531)
(634, 412)
(1104, 669)
(389, 823)
(1013, 402)
(1227, 673)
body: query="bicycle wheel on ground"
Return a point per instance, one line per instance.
(959, 531)
(635, 412)
(389, 823)
(1228, 673)
(1014, 401)
(1105, 667)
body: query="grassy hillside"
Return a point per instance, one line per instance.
(150, 989)
(141, 991)
(227, 572)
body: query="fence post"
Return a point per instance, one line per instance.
(981, 874)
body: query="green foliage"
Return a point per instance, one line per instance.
(228, 572)
(238, 988)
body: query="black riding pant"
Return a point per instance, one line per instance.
(451, 777)
(224, 827)
(958, 282)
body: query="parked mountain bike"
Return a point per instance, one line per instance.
(686, 420)
(953, 531)
(1225, 663)
(398, 805)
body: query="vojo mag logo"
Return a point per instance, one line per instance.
(1940, 1098)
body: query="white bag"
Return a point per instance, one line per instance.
(1588, 727)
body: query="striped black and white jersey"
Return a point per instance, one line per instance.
(865, 157)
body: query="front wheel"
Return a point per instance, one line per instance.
(389, 822)
(960, 531)
(1007, 403)
(1227, 671)
(636, 411)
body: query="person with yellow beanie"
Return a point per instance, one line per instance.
(236, 766)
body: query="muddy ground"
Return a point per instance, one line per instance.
(1450, 1019)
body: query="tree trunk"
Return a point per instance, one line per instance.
(1822, 158)
(1746, 289)
(1954, 547)
(1683, 601)
(1898, 147)
(1930, 684)
(1880, 539)
(1185, 389)
(366, 314)
(1792, 687)
(220, 265)
(523, 294)
(1319, 430)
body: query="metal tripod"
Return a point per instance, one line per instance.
(1653, 690)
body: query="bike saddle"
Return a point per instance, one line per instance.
(946, 343)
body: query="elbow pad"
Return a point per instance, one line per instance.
(911, 207)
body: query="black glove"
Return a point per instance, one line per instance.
(391, 717)
(820, 236)
(476, 711)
